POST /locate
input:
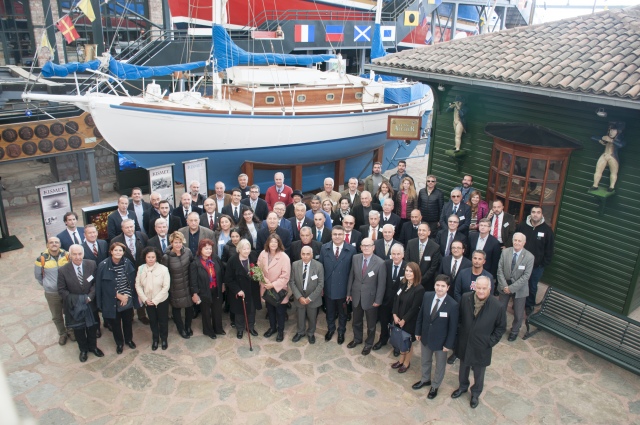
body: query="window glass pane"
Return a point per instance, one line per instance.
(538, 167)
(502, 184)
(517, 187)
(534, 192)
(547, 212)
(492, 179)
(520, 168)
(555, 168)
(514, 209)
(506, 162)
(550, 192)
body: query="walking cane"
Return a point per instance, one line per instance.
(246, 322)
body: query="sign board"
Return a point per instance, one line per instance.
(161, 181)
(196, 170)
(403, 127)
(55, 202)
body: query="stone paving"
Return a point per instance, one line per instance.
(204, 381)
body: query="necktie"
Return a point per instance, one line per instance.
(319, 236)
(299, 226)
(386, 219)
(235, 214)
(454, 269)
(346, 238)
(364, 266)
(79, 273)
(211, 222)
(513, 261)
(421, 252)
(304, 278)
(164, 245)
(374, 234)
(337, 252)
(253, 206)
(495, 227)
(395, 273)
(95, 249)
(455, 209)
(75, 238)
(132, 247)
(448, 249)
(386, 249)
(434, 312)
(186, 213)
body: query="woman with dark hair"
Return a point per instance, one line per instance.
(206, 274)
(177, 260)
(115, 295)
(243, 289)
(249, 226)
(406, 199)
(405, 310)
(344, 208)
(230, 248)
(222, 234)
(385, 191)
(152, 286)
(479, 209)
(276, 268)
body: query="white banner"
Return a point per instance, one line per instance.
(161, 181)
(55, 202)
(196, 170)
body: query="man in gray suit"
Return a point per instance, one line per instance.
(367, 283)
(514, 270)
(194, 233)
(306, 283)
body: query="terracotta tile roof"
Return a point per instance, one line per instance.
(597, 54)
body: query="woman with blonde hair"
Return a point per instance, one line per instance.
(152, 286)
(406, 199)
(178, 259)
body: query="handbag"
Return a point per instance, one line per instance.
(274, 298)
(399, 339)
(125, 307)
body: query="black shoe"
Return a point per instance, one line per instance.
(378, 345)
(253, 332)
(594, 188)
(396, 353)
(280, 337)
(610, 189)
(297, 337)
(457, 393)
(119, 349)
(340, 339)
(224, 333)
(512, 337)
(239, 334)
(348, 317)
(83, 356)
(269, 332)
(189, 331)
(433, 392)
(233, 325)
(328, 336)
(98, 352)
(212, 336)
(184, 334)
(98, 333)
(154, 345)
(528, 310)
(312, 339)
(420, 384)
(474, 402)
(286, 316)
(452, 359)
(165, 345)
(353, 344)
(366, 350)
(131, 344)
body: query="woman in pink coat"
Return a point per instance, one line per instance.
(479, 209)
(276, 267)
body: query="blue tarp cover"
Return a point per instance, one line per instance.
(400, 95)
(121, 70)
(51, 69)
(228, 54)
(377, 49)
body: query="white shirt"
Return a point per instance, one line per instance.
(306, 278)
(493, 224)
(77, 235)
(220, 203)
(433, 303)
(339, 249)
(481, 242)
(138, 209)
(373, 231)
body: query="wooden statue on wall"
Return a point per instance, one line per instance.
(612, 141)
(459, 119)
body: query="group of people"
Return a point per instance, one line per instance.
(424, 269)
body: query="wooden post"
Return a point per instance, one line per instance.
(378, 154)
(338, 174)
(247, 168)
(296, 177)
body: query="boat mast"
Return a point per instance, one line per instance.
(218, 10)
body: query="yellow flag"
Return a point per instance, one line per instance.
(411, 18)
(87, 9)
(44, 41)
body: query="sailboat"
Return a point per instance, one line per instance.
(269, 108)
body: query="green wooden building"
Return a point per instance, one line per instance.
(535, 98)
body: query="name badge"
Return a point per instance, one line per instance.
(314, 277)
(370, 274)
(90, 278)
(399, 292)
(541, 234)
(520, 267)
(200, 206)
(401, 277)
(247, 193)
(283, 195)
(317, 256)
(505, 225)
(353, 243)
(461, 217)
(443, 314)
(427, 258)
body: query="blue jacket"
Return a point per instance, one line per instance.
(336, 272)
(106, 287)
(441, 331)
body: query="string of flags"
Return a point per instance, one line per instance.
(66, 26)
(336, 33)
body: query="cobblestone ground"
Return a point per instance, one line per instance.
(201, 381)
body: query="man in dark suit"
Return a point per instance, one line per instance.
(185, 209)
(451, 232)
(257, 204)
(272, 227)
(382, 247)
(409, 230)
(235, 208)
(279, 208)
(366, 288)
(299, 220)
(352, 193)
(361, 212)
(484, 241)
(306, 283)
(372, 230)
(139, 207)
(194, 233)
(243, 185)
(72, 234)
(426, 253)
(210, 217)
(436, 329)
(306, 239)
(478, 333)
(94, 249)
(395, 271)
(452, 264)
(152, 212)
(114, 221)
(297, 199)
(351, 236)
(456, 207)
(389, 217)
(320, 232)
(503, 224)
(76, 284)
(173, 222)
(161, 240)
(336, 259)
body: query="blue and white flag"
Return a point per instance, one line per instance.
(362, 33)
(388, 33)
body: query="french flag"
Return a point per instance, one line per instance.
(304, 33)
(334, 33)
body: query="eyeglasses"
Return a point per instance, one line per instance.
(431, 181)
(455, 196)
(366, 246)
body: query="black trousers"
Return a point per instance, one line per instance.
(385, 315)
(159, 320)
(122, 326)
(358, 323)
(177, 318)
(86, 338)
(336, 307)
(211, 310)
(478, 378)
(276, 316)
(251, 317)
